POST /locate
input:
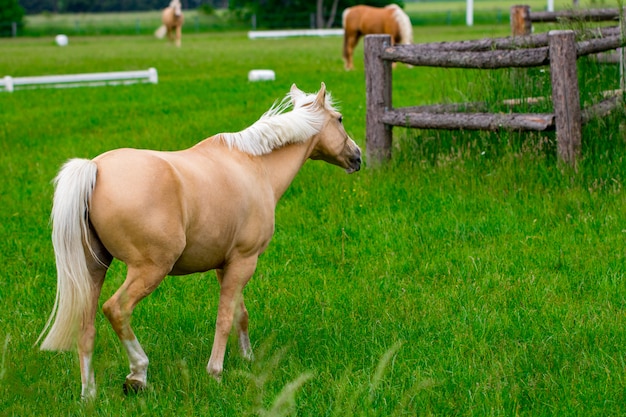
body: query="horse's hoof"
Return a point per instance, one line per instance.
(217, 377)
(216, 374)
(132, 387)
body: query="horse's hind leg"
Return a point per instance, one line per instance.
(232, 280)
(140, 281)
(349, 43)
(97, 271)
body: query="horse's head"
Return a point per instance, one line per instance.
(332, 144)
(178, 8)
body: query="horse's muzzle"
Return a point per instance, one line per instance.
(355, 164)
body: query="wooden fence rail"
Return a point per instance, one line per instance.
(522, 18)
(558, 49)
(511, 42)
(494, 53)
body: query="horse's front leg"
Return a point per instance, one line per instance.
(179, 35)
(232, 280)
(241, 323)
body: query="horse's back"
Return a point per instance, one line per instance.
(369, 20)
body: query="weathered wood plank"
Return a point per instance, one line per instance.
(595, 15)
(601, 108)
(470, 121)
(509, 42)
(481, 60)
(598, 45)
(486, 44)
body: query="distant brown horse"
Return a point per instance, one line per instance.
(173, 19)
(175, 213)
(366, 20)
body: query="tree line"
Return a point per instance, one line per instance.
(256, 6)
(268, 13)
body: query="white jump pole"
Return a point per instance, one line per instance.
(74, 80)
(8, 83)
(469, 17)
(550, 5)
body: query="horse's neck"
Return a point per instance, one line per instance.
(282, 165)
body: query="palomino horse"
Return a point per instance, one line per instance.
(173, 20)
(362, 20)
(175, 213)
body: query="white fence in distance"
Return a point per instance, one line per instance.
(95, 79)
(278, 34)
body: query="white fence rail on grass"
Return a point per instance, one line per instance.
(95, 79)
(277, 34)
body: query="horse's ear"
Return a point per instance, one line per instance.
(295, 92)
(320, 100)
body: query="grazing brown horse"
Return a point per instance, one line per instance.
(175, 213)
(173, 19)
(363, 20)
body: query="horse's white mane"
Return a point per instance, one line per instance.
(277, 127)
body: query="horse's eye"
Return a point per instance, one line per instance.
(340, 119)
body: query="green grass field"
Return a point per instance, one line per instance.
(472, 275)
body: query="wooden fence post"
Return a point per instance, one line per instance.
(520, 20)
(565, 94)
(378, 136)
(620, 51)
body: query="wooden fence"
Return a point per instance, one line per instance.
(558, 49)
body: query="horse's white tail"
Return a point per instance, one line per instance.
(404, 24)
(73, 188)
(160, 32)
